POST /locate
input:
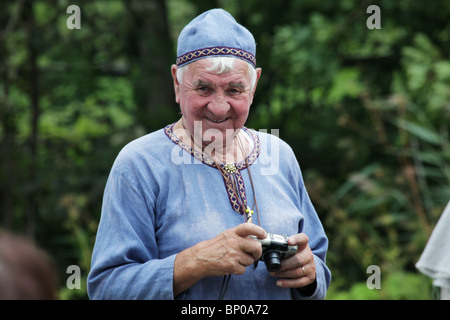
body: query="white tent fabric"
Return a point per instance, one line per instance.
(435, 259)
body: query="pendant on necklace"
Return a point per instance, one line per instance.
(230, 168)
(249, 213)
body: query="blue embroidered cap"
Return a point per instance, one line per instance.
(215, 33)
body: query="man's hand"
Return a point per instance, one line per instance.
(300, 269)
(231, 251)
(228, 253)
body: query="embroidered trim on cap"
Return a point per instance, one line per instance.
(216, 51)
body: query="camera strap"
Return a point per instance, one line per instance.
(223, 289)
(234, 184)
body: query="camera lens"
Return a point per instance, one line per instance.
(272, 261)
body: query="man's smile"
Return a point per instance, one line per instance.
(217, 121)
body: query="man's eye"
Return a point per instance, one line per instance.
(204, 90)
(234, 92)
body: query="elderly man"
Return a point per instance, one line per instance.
(184, 206)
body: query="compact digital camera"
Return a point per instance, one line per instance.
(275, 247)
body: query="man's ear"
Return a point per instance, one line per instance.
(258, 75)
(176, 84)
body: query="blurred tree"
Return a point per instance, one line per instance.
(151, 53)
(32, 87)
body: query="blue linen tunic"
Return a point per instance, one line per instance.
(161, 199)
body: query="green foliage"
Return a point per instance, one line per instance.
(396, 286)
(366, 112)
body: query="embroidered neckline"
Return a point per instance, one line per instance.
(254, 154)
(233, 178)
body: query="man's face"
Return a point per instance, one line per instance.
(214, 101)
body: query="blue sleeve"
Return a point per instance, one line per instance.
(318, 241)
(125, 261)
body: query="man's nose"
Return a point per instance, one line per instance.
(219, 105)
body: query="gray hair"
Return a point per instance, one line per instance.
(221, 65)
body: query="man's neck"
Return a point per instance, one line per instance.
(236, 148)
